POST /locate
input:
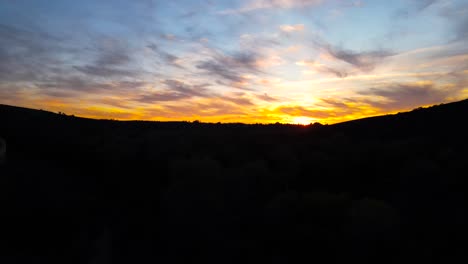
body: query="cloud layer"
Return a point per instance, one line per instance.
(233, 61)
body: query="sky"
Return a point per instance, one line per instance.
(250, 61)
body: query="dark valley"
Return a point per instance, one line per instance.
(387, 189)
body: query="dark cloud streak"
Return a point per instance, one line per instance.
(266, 97)
(340, 73)
(401, 96)
(166, 57)
(70, 86)
(102, 71)
(231, 68)
(27, 55)
(175, 91)
(364, 61)
(112, 59)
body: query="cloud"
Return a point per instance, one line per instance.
(113, 56)
(68, 86)
(266, 97)
(112, 59)
(364, 61)
(163, 55)
(401, 96)
(239, 100)
(334, 103)
(213, 109)
(414, 7)
(461, 28)
(102, 71)
(205, 103)
(302, 111)
(12, 93)
(71, 86)
(254, 5)
(45, 65)
(218, 68)
(457, 16)
(292, 28)
(175, 91)
(356, 3)
(169, 37)
(329, 113)
(381, 99)
(27, 55)
(231, 68)
(423, 4)
(49, 63)
(322, 68)
(342, 62)
(455, 13)
(259, 44)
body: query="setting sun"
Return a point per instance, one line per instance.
(302, 120)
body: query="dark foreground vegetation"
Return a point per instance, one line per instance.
(387, 189)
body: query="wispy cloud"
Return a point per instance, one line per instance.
(303, 111)
(461, 28)
(102, 71)
(76, 86)
(231, 68)
(364, 61)
(406, 95)
(238, 99)
(175, 91)
(254, 5)
(457, 16)
(211, 109)
(112, 57)
(266, 97)
(342, 63)
(166, 57)
(292, 28)
(318, 67)
(28, 55)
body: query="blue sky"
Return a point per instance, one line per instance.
(295, 61)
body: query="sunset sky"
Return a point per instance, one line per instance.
(290, 61)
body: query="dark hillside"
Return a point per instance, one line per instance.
(444, 119)
(388, 189)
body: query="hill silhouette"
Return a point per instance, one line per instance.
(387, 189)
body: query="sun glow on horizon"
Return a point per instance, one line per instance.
(302, 120)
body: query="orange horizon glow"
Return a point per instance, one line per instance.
(108, 114)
